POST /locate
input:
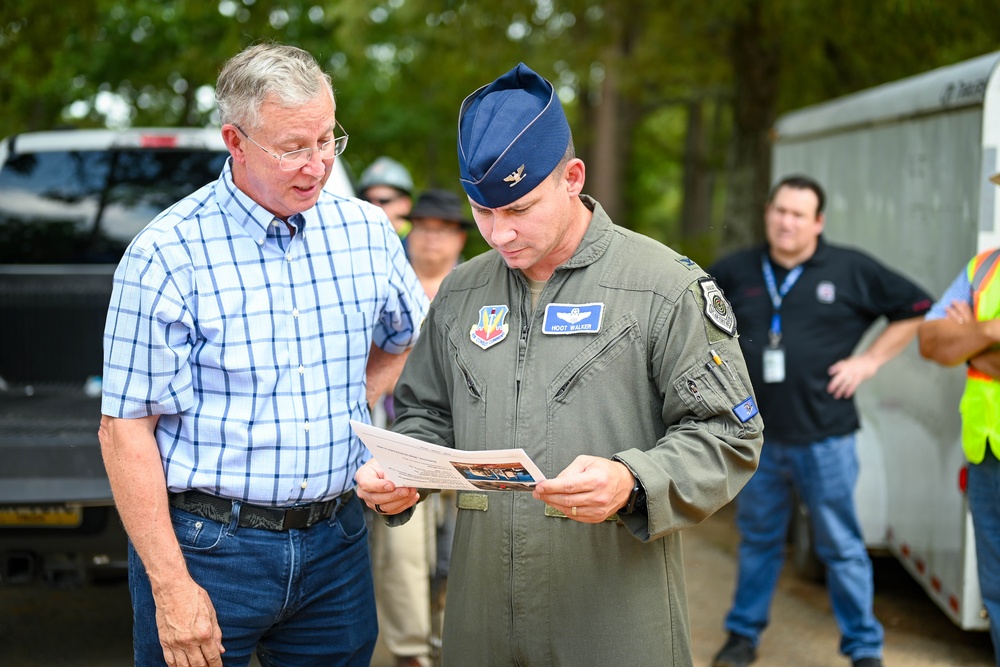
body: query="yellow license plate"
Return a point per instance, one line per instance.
(40, 516)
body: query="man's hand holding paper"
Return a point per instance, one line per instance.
(401, 462)
(380, 493)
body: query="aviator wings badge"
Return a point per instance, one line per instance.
(515, 176)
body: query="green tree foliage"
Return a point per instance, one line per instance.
(671, 103)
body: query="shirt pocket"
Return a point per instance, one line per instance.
(708, 393)
(600, 359)
(469, 403)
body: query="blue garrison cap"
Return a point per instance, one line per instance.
(511, 135)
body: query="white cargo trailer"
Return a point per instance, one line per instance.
(906, 167)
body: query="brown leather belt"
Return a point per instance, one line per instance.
(258, 516)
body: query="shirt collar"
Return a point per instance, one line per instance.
(818, 256)
(250, 215)
(596, 239)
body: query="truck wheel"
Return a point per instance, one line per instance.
(805, 564)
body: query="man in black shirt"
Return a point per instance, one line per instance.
(802, 305)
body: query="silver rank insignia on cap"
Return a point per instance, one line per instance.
(491, 328)
(515, 176)
(717, 309)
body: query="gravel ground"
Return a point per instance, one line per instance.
(802, 631)
(91, 627)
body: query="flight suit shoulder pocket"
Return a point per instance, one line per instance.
(708, 391)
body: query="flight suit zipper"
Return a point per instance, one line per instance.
(693, 388)
(522, 352)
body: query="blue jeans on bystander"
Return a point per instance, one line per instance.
(297, 597)
(984, 503)
(824, 475)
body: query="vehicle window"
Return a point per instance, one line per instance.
(83, 207)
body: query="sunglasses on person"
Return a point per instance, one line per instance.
(383, 201)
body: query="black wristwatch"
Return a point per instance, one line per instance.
(637, 499)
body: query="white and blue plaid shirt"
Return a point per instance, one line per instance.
(252, 344)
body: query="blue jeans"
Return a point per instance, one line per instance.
(298, 597)
(984, 503)
(824, 474)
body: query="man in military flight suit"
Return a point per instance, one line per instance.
(612, 361)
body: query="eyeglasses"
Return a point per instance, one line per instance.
(383, 201)
(293, 160)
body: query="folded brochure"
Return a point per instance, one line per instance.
(411, 462)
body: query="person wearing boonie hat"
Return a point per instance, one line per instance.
(612, 361)
(437, 236)
(439, 231)
(961, 329)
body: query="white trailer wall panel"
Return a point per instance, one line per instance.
(905, 168)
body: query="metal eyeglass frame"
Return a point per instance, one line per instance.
(304, 155)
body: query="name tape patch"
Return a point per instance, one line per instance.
(572, 318)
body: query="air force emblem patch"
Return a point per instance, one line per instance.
(717, 309)
(571, 318)
(491, 327)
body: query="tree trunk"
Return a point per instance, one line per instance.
(754, 55)
(604, 167)
(696, 209)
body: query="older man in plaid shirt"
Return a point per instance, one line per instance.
(236, 351)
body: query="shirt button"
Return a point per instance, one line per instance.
(275, 222)
(295, 312)
(260, 242)
(302, 370)
(288, 257)
(306, 426)
(304, 484)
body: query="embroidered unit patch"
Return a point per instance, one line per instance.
(717, 309)
(491, 327)
(746, 410)
(572, 318)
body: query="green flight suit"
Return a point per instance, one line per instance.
(528, 588)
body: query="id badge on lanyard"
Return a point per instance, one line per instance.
(774, 354)
(774, 364)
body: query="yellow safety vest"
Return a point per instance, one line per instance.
(980, 406)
